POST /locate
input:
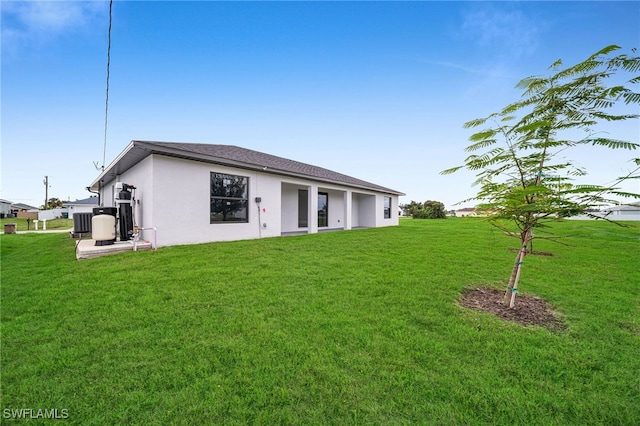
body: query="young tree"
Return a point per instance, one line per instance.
(523, 180)
(52, 203)
(411, 208)
(432, 210)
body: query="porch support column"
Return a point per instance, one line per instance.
(348, 198)
(313, 209)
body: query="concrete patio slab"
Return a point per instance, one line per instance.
(87, 249)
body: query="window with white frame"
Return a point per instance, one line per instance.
(387, 207)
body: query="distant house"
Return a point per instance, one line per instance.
(624, 212)
(5, 208)
(24, 211)
(197, 193)
(617, 213)
(466, 212)
(81, 206)
(20, 207)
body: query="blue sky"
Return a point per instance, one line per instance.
(375, 90)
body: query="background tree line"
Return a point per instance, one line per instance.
(427, 210)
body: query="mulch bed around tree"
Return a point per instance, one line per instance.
(528, 310)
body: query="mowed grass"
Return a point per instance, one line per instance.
(357, 327)
(22, 225)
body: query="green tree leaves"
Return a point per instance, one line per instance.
(427, 210)
(519, 154)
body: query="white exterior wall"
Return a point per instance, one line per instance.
(51, 214)
(616, 215)
(181, 203)
(5, 207)
(289, 207)
(173, 195)
(365, 205)
(626, 215)
(140, 176)
(355, 211)
(80, 208)
(336, 208)
(380, 220)
(74, 208)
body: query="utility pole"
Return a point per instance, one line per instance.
(46, 191)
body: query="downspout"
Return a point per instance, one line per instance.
(93, 192)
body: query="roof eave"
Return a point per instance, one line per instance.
(150, 148)
(95, 185)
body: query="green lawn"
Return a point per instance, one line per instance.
(358, 327)
(52, 224)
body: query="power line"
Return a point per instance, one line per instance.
(106, 104)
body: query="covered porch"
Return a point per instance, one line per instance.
(308, 209)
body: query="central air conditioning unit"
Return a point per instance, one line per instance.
(82, 223)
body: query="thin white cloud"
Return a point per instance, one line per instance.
(494, 72)
(501, 28)
(452, 65)
(29, 21)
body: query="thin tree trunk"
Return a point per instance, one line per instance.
(515, 276)
(514, 289)
(509, 298)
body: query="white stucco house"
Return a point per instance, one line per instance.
(85, 205)
(466, 212)
(5, 207)
(196, 193)
(624, 212)
(621, 212)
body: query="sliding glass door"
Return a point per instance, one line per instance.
(303, 208)
(323, 209)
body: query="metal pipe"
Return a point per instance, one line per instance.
(137, 236)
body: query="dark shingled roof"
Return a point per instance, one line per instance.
(21, 206)
(86, 201)
(239, 157)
